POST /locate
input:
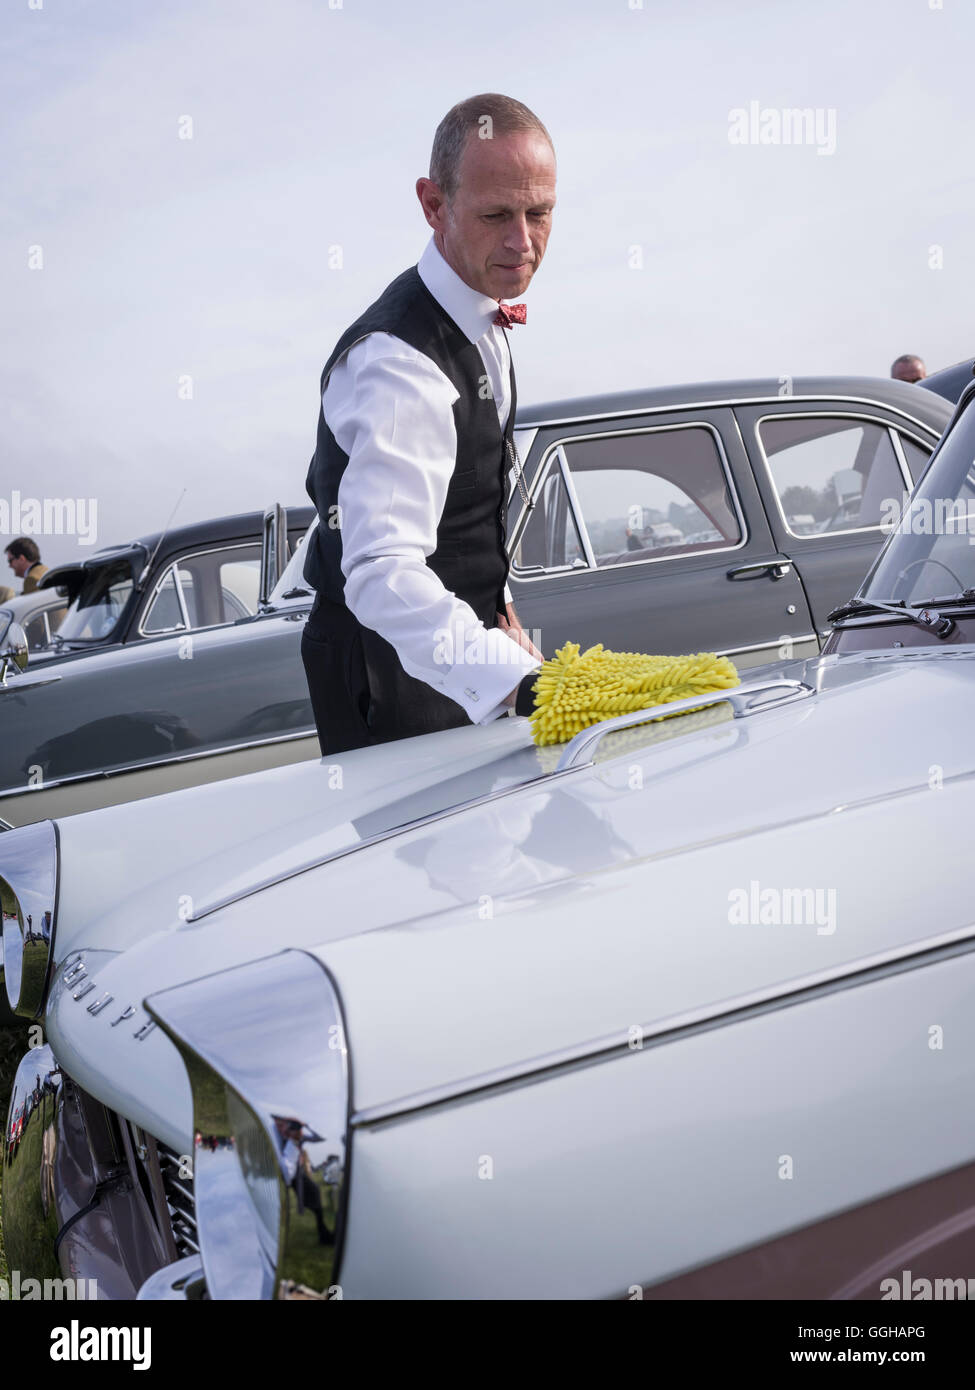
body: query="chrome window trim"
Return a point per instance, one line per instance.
(899, 436)
(125, 768)
(906, 478)
(732, 402)
(162, 631)
(545, 466)
(174, 565)
(772, 999)
(573, 499)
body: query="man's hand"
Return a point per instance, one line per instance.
(517, 633)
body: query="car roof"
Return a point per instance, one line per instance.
(217, 530)
(898, 395)
(34, 602)
(950, 381)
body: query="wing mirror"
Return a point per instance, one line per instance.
(13, 650)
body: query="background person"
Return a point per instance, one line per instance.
(908, 368)
(24, 559)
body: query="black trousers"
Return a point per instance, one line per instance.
(360, 694)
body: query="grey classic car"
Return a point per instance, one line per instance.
(726, 517)
(152, 680)
(184, 579)
(666, 1012)
(730, 517)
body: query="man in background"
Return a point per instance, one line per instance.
(908, 368)
(24, 559)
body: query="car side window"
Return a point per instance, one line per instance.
(206, 589)
(240, 582)
(36, 632)
(551, 538)
(165, 613)
(642, 495)
(831, 474)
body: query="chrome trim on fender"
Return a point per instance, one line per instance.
(29, 885)
(264, 1047)
(674, 1029)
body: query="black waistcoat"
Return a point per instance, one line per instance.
(470, 557)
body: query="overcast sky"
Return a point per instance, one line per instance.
(171, 328)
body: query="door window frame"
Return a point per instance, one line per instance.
(556, 451)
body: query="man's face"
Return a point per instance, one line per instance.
(494, 232)
(19, 564)
(909, 371)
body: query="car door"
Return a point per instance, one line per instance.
(830, 474)
(648, 534)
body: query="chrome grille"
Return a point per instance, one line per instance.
(179, 1199)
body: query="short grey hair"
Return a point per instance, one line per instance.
(506, 116)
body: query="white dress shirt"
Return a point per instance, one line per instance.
(390, 409)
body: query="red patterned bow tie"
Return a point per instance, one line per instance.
(508, 314)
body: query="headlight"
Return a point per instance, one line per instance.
(28, 895)
(264, 1047)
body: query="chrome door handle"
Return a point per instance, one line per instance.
(775, 569)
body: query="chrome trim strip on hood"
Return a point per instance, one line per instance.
(737, 694)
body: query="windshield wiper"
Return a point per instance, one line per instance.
(966, 596)
(926, 617)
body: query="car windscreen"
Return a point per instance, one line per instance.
(931, 552)
(5, 616)
(94, 613)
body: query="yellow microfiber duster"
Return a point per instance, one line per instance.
(574, 690)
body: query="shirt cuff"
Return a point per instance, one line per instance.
(489, 668)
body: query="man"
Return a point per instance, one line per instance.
(24, 559)
(413, 629)
(908, 368)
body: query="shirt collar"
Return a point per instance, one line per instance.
(472, 311)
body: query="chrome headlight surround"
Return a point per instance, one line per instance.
(29, 860)
(264, 1048)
